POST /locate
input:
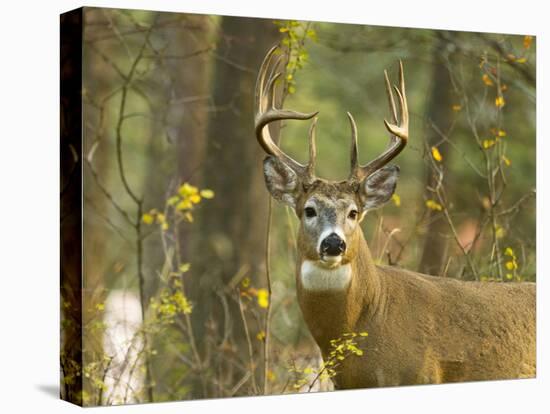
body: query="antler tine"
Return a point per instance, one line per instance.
(260, 81)
(266, 112)
(264, 82)
(399, 130)
(391, 101)
(312, 149)
(354, 151)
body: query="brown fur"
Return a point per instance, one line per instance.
(423, 329)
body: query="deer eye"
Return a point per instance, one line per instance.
(310, 212)
(353, 214)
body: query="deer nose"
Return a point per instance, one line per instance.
(333, 245)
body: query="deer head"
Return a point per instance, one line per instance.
(329, 212)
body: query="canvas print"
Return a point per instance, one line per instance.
(262, 206)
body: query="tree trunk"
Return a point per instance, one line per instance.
(177, 146)
(232, 225)
(440, 114)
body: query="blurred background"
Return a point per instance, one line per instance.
(178, 226)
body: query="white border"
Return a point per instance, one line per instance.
(29, 207)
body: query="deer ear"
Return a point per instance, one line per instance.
(378, 188)
(281, 181)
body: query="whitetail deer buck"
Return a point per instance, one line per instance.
(421, 329)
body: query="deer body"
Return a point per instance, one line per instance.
(421, 329)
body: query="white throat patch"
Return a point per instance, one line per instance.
(318, 278)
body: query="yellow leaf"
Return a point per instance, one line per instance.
(184, 205)
(509, 276)
(188, 216)
(457, 107)
(187, 190)
(161, 218)
(521, 60)
(363, 334)
(172, 200)
(312, 34)
(527, 40)
(482, 62)
(206, 193)
(500, 232)
(396, 200)
(487, 80)
(164, 226)
(184, 267)
(436, 154)
(245, 282)
(501, 133)
(100, 306)
(509, 252)
(434, 205)
(511, 265)
(506, 160)
(488, 143)
(499, 101)
(148, 218)
(195, 198)
(263, 298)
(260, 336)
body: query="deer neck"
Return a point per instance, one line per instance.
(333, 300)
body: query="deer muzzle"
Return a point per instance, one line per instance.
(333, 245)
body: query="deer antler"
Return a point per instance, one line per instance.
(266, 112)
(399, 132)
